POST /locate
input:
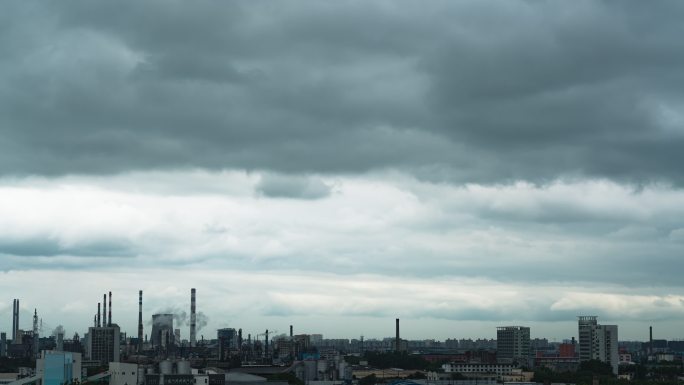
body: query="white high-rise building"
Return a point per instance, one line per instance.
(598, 342)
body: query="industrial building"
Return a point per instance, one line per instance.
(123, 374)
(3, 344)
(103, 340)
(162, 330)
(58, 368)
(104, 344)
(228, 341)
(179, 372)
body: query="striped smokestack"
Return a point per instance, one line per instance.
(193, 318)
(98, 314)
(140, 324)
(109, 317)
(104, 309)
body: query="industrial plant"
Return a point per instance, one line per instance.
(157, 355)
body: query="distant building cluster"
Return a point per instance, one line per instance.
(162, 357)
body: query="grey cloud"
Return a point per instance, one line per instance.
(519, 309)
(677, 235)
(45, 246)
(575, 89)
(288, 186)
(279, 310)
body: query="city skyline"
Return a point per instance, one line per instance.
(412, 329)
(460, 165)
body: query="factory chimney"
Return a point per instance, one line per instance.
(109, 317)
(140, 323)
(291, 332)
(15, 321)
(193, 318)
(98, 314)
(36, 339)
(650, 340)
(397, 341)
(104, 309)
(266, 345)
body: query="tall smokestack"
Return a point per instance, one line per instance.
(98, 314)
(16, 315)
(140, 324)
(193, 318)
(397, 341)
(36, 338)
(104, 309)
(650, 340)
(266, 345)
(109, 317)
(15, 321)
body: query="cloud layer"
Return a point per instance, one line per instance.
(375, 224)
(469, 91)
(376, 246)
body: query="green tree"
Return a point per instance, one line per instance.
(596, 367)
(352, 360)
(401, 360)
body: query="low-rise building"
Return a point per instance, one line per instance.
(124, 374)
(467, 369)
(57, 368)
(441, 378)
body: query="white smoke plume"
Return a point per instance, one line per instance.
(59, 329)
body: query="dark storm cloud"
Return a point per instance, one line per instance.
(468, 91)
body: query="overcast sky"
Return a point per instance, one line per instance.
(334, 165)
